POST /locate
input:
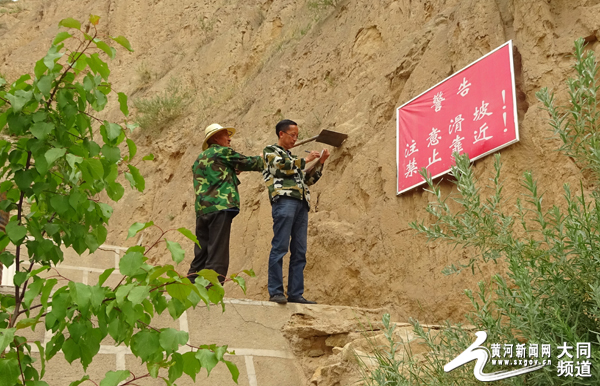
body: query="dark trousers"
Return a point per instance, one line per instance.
(212, 230)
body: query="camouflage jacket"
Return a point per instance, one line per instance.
(284, 174)
(215, 181)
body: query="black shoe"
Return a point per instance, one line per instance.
(278, 299)
(300, 300)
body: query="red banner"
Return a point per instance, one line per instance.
(473, 111)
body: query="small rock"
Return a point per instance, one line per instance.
(315, 353)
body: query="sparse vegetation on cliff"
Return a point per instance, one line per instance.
(156, 112)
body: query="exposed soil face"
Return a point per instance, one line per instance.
(345, 68)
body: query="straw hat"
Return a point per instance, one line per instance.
(212, 130)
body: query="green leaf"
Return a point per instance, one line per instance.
(40, 68)
(41, 130)
(9, 368)
(95, 167)
(19, 278)
(153, 369)
(235, 373)
(52, 57)
(113, 378)
(157, 271)
(138, 294)
(61, 36)
(24, 178)
(105, 47)
(106, 209)
(69, 23)
(111, 153)
(28, 322)
(15, 231)
(123, 41)
(60, 204)
(105, 275)
(179, 291)
(54, 154)
(139, 182)
(123, 103)
(98, 66)
(94, 19)
(177, 253)
(170, 339)
(187, 233)
(3, 118)
(176, 369)
(79, 382)
(42, 357)
(191, 365)
(52, 229)
(82, 295)
(130, 263)
(149, 157)
(122, 292)
(73, 159)
(33, 290)
(6, 258)
(240, 281)
(6, 337)
(115, 191)
(176, 308)
(249, 272)
(145, 344)
(132, 148)
(137, 227)
(113, 130)
(132, 126)
(207, 359)
(71, 350)
(44, 84)
(19, 99)
(210, 275)
(50, 283)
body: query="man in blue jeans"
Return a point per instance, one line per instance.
(287, 184)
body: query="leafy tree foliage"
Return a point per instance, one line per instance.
(56, 158)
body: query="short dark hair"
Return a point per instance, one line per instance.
(284, 125)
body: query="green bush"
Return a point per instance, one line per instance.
(156, 112)
(550, 291)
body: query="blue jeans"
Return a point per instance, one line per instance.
(290, 221)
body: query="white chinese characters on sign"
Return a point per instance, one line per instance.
(481, 134)
(434, 159)
(412, 149)
(457, 145)
(434, 138)
(481, 112)
(463, 89)
(411, 168)
(455, 124)
(437, 101)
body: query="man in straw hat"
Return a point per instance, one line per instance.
(288, 191)
(217, 198)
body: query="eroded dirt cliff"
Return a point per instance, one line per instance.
(345, 67)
